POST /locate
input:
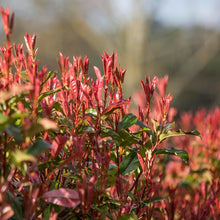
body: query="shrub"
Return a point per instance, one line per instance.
(71, 149)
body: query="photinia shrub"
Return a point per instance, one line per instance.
(72, 149)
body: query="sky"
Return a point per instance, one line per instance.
(191, 12)
(170, 12)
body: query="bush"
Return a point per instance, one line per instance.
(71, 149)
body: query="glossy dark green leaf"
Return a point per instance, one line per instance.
(129, 164)
(109, 133)
(38, 147)
(173, 151)
(179, 132)
(127, 121)
(147, 130)
(126, 138)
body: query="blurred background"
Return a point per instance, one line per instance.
(152, 37)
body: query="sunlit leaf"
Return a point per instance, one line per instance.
(48, 124)
(6, 212)
(20, 156)
(91, 111)
(178, 133)
(173, 151)
(3, 118)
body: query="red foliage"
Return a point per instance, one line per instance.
(71, 149)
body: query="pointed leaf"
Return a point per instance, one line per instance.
(63, 197)
(49, 75)
(45, 94)
(112, 107)
(129, 164)
(173, 151)
(142, 162)
(127, 121)
(178, 133)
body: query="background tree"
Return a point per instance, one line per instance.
(144, 42)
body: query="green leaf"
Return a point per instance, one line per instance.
(129, 164)
(38, 147)
(3, 118)
(57, 107)
(127, 121)
(91, 111)
(45, 94)
(89, 130)
(126, 138)
(179, 132)
(20, 156)
(146, 129)
(49, 75)
(154, 199)
(132, 196)
(16, 204)
(173, 151)
(103, 210)
(128, 217)
(105, 132)
(15, 132)
(47, 212)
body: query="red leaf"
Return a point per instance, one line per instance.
(115, 106)
(63, 197)
(58, 144)
(142, 163)
(98, 73)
